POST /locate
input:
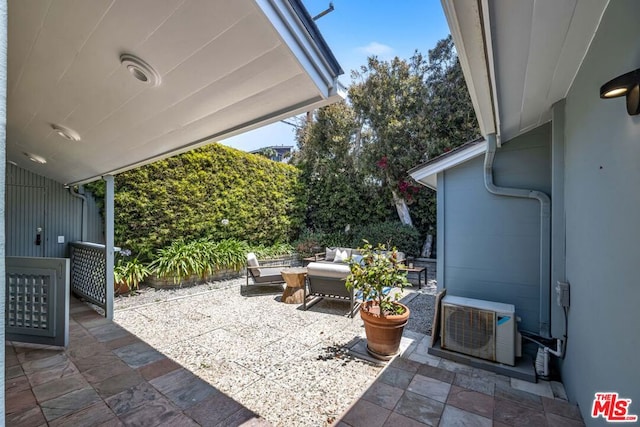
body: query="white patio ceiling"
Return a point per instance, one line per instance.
(225, 67)
(520, 57)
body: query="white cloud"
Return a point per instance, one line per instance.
(375, 48)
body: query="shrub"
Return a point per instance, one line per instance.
(211, 193)
(200, 258)
(391, 234)
(180, 260)
(130, 273)
(273, 251)
(227, 254)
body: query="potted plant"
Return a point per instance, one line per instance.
(128, 275)
(374, 274)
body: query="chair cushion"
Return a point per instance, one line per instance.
(252, 261)
(324, 269)
(270, 273)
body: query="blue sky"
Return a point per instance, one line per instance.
(355, 30)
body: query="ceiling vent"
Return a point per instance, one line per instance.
(140, 69)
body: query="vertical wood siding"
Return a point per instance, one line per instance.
(33, 199)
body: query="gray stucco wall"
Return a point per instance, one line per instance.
(602, 205)
(490, 244)
(34, 201)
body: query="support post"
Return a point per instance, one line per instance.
(109, 244)
(3, 163)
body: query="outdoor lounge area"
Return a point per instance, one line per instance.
(227, 354)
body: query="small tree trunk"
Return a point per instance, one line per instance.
(427, 248)
(402, 208)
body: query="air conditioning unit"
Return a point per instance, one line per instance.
(478, 328)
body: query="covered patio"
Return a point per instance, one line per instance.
(98, 88)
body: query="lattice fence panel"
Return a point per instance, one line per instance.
(28, 298)
(88, 274)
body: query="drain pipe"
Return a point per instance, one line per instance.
(83, 221)
(545, 229)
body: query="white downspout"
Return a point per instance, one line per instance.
(545, 229)
(83, 216)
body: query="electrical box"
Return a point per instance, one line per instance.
(562, 294)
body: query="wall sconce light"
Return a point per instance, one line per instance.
(627, 84)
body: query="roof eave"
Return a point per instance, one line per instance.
(469, 29)
(426, 174)
(297, 29)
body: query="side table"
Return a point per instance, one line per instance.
(295, 279)
(420, 270)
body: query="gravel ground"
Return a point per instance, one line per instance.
(288, 365)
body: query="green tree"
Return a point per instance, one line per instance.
(389, 97)
(452, 120)
(412, 110)
(339, 196)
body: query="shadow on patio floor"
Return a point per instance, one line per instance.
(108, 376)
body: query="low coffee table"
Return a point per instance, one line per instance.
(420, 270)
(295, 280)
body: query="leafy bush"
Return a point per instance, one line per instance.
(311, 242)
(211, 193)
(130, 273)
(392, 234)
(227, 254)
(179, 261)
(273, 251)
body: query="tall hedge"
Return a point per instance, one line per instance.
(188, 196)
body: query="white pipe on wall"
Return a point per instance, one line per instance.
(83, 220)
(545, 229)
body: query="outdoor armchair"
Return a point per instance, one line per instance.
(264, 275)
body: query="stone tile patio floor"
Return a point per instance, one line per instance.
(108, 376)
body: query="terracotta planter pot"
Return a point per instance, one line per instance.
(121, 288)
(383, 333)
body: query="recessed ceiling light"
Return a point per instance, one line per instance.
(140, 69)
(11, 162)
(65, 132)
(35, 158)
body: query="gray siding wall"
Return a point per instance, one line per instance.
(492, 243)
(34, 201)
(602, 206)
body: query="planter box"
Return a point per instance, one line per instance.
(168, 283)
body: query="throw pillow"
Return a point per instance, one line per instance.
(330, 254)
(341, 256)
(252, 261)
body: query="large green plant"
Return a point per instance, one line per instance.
(212, 193)
(390, 233)
(374, 274)
(130, 272)
(179, 261)
(339, 193)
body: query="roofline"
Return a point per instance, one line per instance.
(315, 34)
(470, 30)
(426, 173)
